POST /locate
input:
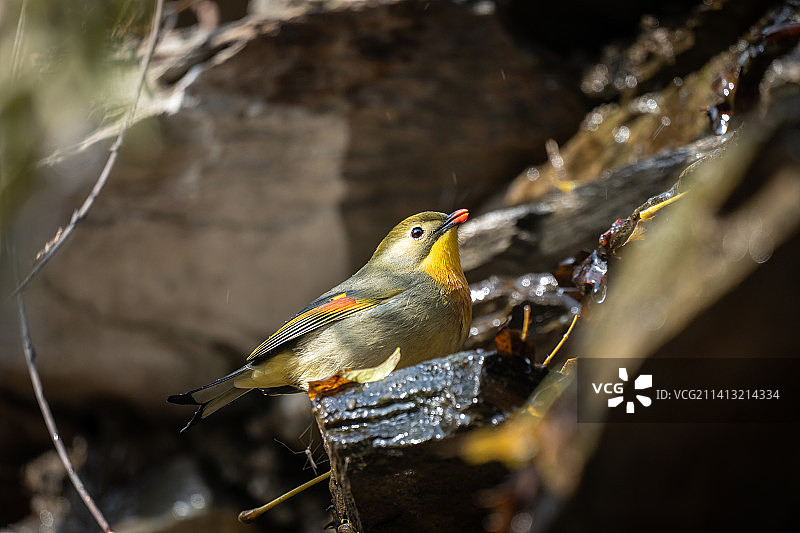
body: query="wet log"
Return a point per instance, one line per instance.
(392, 443)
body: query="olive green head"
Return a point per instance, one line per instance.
(424, 241)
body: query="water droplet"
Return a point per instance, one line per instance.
(521, 522)
(46, 518)
(734, 244)
(760, 246)
(621, 134)
(180, 509)
(599, 293)
(197, 500)
(593, 121)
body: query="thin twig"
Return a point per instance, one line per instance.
(251, 514)
(62, 235)
(51, 249)
(561, 342)
(44, 407)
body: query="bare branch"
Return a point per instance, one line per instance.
(36, 381)
(51, 248)
(54, 244)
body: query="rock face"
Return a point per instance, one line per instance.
(288, 160)
(391, 443)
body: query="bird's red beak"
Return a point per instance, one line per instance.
(457, 217)
(454, 219)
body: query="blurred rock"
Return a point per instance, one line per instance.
(296, 146)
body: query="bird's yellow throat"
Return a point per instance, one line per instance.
(444, 264)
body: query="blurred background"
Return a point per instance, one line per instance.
(277, 141)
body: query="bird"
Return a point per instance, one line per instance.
(412, 294)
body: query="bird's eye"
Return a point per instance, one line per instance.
(417, 232)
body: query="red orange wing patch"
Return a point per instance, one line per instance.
(319, 313)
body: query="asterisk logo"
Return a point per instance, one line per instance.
(644, 381)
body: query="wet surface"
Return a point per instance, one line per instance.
(498, 302)
(388, 441)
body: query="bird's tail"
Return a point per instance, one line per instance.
(216, 395)
(211, 397)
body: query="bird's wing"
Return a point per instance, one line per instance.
(322, 311)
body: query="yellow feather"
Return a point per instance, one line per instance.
(444, 264)
(275, 372)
